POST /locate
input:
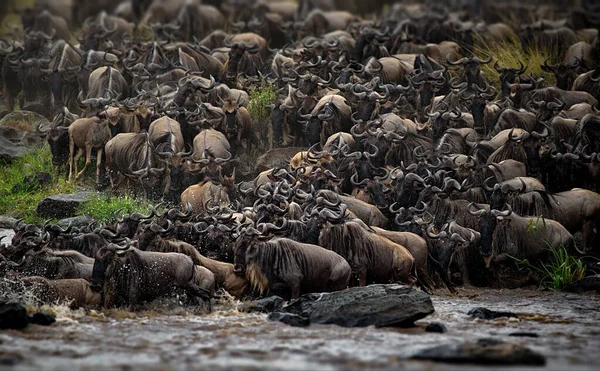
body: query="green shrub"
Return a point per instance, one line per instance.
(23, 202)
(102, 208)
(260, 97)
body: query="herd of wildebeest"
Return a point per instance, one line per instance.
(386, 155)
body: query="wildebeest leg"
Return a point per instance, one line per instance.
(587, 234)
(362, 277)
(74, 163)
(88, 160)
(98, 163)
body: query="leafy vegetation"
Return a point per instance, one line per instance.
(560, 270)
(260, 98)
(18, 194)
(103, 208)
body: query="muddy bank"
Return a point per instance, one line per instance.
(567, 325)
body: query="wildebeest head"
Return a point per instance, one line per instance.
(565, 74)
(471, 68)
(245, 248)
(230, 109)
(150, 232)
(103, 259)
(478, 98)
(488, 222)
(444, 246)
(508, 76)
(95, 36)
(237, 53)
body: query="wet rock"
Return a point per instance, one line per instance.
(378, 305)
(290, 319)
(524, 334)
(25, 120)
(483, 352)
(10, 150)
(484, 313)
(7, 222)
(62, 205)
(33, 182)
(436, 327)
(76, 221)
(42, 319)
(590, 283)
(12, 316)
(18, 134)
(266, 305)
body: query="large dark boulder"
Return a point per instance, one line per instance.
(482, 352)
(13, 316)
(62, 205)
(378, 305)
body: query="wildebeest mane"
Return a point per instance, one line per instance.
(88, 244)
(506, 152)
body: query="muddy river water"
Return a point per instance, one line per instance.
(170, 337)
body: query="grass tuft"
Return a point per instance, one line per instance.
(23, 202)
(260, 97)
(509, 53)
(102, 208)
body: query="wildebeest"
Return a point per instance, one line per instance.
(128, 276)
(87, 134)
(282, 264)
(133, 155)
(505, 233)
(75, 291)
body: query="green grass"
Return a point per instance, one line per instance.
(561, 270)
(509, 54)
(102, 208)
(23, 203)
(259, 98)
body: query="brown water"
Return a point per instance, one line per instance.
(168, 337)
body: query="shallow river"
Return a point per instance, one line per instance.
(164, 337)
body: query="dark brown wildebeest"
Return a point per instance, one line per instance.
(239, 126)
(133, 155)
(56, 265)
(373, 258)
(285, 265)
(505, 233)
(128, 276)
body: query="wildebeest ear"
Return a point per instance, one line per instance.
(240, 103)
